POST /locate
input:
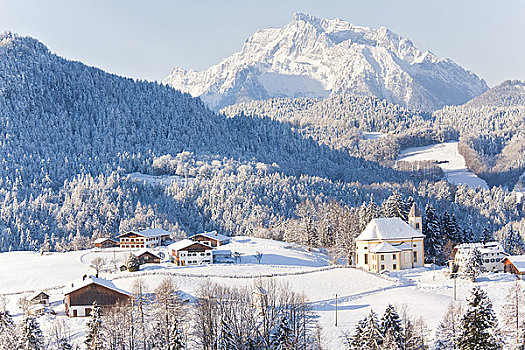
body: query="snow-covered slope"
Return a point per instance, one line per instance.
(312, 57)
(510, 93)
(449, 159)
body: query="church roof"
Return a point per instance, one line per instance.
(385, 247)
(414, 211)
(388, 228)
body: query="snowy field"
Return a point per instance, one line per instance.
(450, 160)
(422, 291)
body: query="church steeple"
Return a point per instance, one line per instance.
(414, 218)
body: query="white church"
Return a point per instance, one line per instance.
(390, 244)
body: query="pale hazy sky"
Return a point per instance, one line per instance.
(145, 39)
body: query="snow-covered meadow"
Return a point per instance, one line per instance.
(449, 159)
(424, 292)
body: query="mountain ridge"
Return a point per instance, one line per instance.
(317, 58)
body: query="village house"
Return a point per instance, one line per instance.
(492, 254)
(212, 239)
(514, 264)
(80, 295)
(40, 298)
(188, 252)
(105, 243)
(147, 257)
(390, 244)
(150, 238)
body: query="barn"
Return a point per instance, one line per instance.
(81, 294)
(514, 264)
(147, 257)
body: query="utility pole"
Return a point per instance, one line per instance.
(455, 278)
(434, 267)
(336, 310)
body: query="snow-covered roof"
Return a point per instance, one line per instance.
(402, 246)
(213, 235)
(102, 240)
(484, 248)
(36, 294)
(149, 233)
(385, 248)
(144, 251)
(518, 261)
(83, 282)
(388, 228)
(222, 252)
(185, 243)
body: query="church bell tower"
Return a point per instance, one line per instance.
(414, 218)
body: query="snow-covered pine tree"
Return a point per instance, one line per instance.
(513, 243)
(176, 341)
(513, 317)
(394, 206)
(94, 339)
(479, 324)
(29, 335)
(391, 326)
(281, 337)
(7, 331)
(448, 331)
(64, 345)
(487, 235)
(371, 335)
(433, 237)
(355, 341)
(474, 265)
(132, 263)
(226, 340)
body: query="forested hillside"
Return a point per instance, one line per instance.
(71, 133)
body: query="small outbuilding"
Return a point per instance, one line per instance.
(39, 298)
(147, 257)
(514, 264)
(81, 294)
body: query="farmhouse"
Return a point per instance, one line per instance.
(492, 254)
(105, 243)
(147, 257)
(514, 264)
(149, 238)
(188, 252)
(212, 239)
(79, 297)
(39, 298)
(390, 244)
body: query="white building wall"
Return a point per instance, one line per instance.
(201, 258)
(364, 247)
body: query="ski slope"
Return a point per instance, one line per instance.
(423, 292)
(449, 159)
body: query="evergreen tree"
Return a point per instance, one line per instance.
(94, 339)
(448, 331)
(355, 342)
(479, 324)
(371, 336)
(7, 331)
(30, 336)
(391, 326)
(281, 338)
(474, 265)
(433, 237)
(227, 340)
(513, 243)
(64, 345)
(176, 341)
(395, 206)
(487, 235)
(132, 263)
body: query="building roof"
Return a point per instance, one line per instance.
(402, 246)
(388, 228)
(83, 282)
(103, 239)
(145, 251)
(213, 235)
(414, 211)
(149, 233)
(384, 247)
(222, 252)
(36, 294)
(185, 243)
(518, 261)
(484, 248)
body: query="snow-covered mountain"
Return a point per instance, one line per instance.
(510, 93)
(312, 57)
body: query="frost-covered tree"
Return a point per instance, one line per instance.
(132, 263)
(7, 331)
(391, 326)
(449, 329)
(513, 243)
(479, 324)
(29, 335)
(474, 265)
(513, 317)
(94, 339)
(433, 236)
(282, 336)
(371, 333)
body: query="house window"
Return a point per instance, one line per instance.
(415, 256)
(366, 259)
(417, 225)
(382, 257)
(382, 267)
(394, 267)
(394, 257)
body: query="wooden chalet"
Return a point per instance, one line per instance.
(79, 297)
(188, 252)
(149, 238)
(514, 264)
(39, 298)
(105, 243)
(147, 257)
(212, 239)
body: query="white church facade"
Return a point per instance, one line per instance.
(390, 244)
